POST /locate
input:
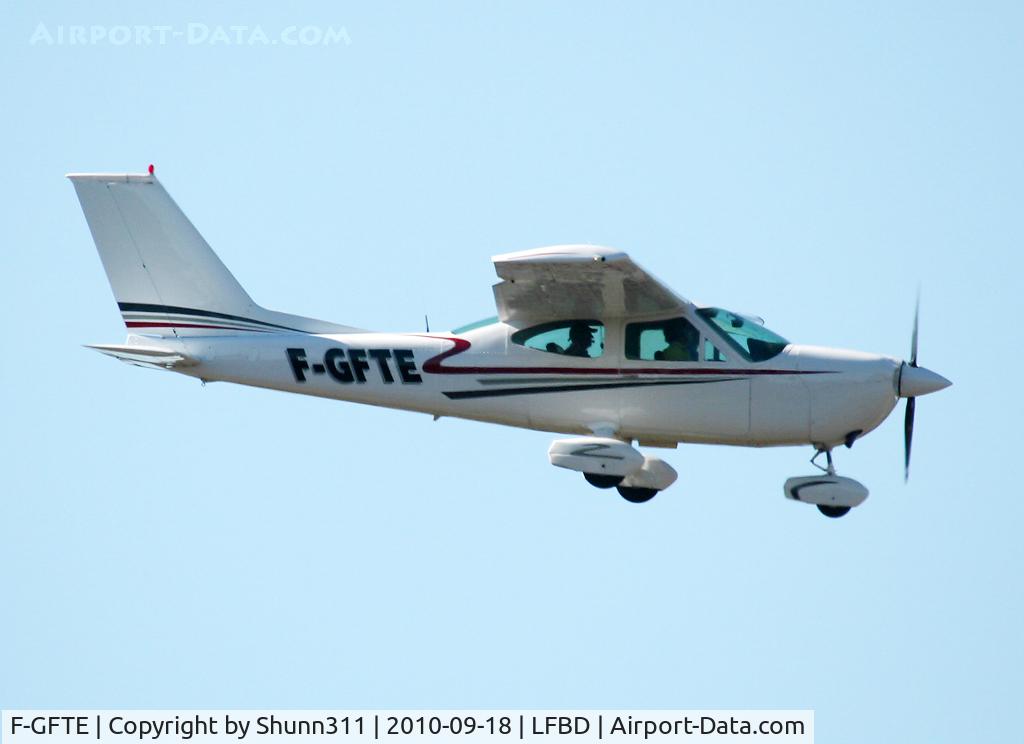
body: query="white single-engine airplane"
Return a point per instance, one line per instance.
(585, 343)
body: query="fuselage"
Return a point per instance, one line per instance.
(586, 342)
(802, 395)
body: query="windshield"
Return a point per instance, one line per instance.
(752, 340)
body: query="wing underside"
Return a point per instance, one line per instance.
(577, 281)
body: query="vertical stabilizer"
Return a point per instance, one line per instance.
(165, 277)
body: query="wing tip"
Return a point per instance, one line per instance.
(111, 177)
(572, 253)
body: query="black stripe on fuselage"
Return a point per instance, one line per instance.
(142, 307)
(461, 394)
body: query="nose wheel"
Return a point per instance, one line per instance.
(834, 495)
(833, 512)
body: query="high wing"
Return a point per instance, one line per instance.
(577, 281)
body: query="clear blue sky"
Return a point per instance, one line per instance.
(169, 545)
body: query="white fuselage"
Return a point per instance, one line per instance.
(804, 395)
(586, 342)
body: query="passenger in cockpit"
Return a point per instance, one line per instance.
(682, 342)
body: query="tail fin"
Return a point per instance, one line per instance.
(165, 277)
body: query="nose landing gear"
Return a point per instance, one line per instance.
(834, 495)
(834, 512)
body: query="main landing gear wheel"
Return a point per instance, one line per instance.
(833, 512)
(636, 495)
(603, 481)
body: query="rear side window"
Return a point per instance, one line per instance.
(578, 338)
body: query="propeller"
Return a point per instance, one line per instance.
(908, 417)
(914, 381)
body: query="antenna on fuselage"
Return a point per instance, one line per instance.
(426, 322)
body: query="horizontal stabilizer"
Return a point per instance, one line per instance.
(146, 356)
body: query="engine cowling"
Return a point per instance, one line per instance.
(596, 456)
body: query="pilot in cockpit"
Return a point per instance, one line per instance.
(581, 338)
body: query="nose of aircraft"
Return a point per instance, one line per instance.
(917, 381)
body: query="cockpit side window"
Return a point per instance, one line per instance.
(751, 339)
(711, 352)
(578, 338)
(670, 340)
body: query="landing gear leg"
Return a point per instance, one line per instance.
(832, 512)
(831, 469)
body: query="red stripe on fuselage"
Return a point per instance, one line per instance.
(433, 366)
(147, 324)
